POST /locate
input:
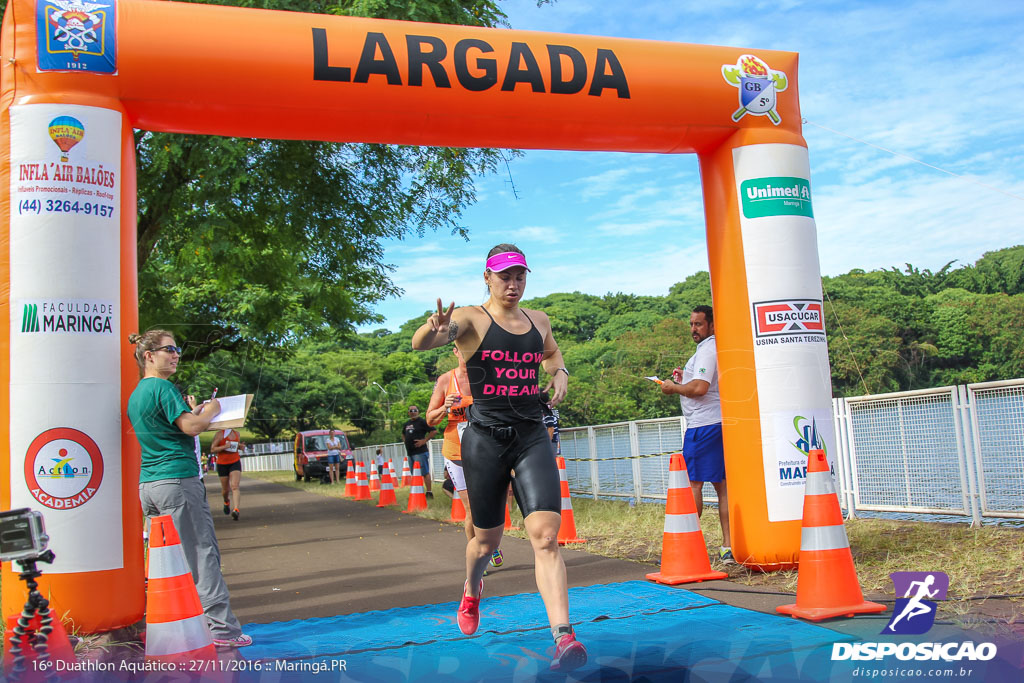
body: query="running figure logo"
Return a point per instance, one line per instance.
(914, 613)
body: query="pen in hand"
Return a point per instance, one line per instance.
(214, 394)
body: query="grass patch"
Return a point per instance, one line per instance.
(986, 577)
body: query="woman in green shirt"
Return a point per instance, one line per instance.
(170, 482)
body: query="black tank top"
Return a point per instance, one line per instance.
(503, 376)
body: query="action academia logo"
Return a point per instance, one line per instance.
(914, 614)
(63, 468)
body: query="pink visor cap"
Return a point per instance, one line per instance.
(506, 260)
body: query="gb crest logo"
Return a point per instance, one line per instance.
(757, 86)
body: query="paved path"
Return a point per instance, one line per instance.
(296, 555)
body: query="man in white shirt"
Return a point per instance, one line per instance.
(697, 387)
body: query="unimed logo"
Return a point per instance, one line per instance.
(914, 614)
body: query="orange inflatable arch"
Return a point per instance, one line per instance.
(77, 78)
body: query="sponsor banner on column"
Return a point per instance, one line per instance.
(784, 287)
(793, 436)
(65, 392)
(73, 35)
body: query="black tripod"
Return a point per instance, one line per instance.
(36, 604)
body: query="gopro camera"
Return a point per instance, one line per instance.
(22, 535)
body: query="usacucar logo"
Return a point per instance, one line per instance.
(788, 316)
(758, 86)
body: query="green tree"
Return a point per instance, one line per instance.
(274, 240)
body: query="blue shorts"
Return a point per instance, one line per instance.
(424, 460)
(333, 459)
(703, 452)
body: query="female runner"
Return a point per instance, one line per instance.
(504, 345)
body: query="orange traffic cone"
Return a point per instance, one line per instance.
(176, 629)
(417, 495)
(508, 517)
(363, 490)
(394, 474)
(406, 475)
(387, 491)
(826, 585)
(374, 479)
(684, 555)
(351, 483)
(566, 532)
(458, 510)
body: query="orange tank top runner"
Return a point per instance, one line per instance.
(451, 448)
(230, 454)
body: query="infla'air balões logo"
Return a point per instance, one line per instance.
(914, 613)
(66, 132)
(758, 86)
(74, 35)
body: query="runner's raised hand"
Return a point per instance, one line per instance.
(440, 320)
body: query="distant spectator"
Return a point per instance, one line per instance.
(334, 457)
(417, 433)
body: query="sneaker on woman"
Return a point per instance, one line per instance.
(496, 558)
(569, 654)
(241, 640)
(468, 615)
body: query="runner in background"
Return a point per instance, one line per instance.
(227, 447)
(452, 398)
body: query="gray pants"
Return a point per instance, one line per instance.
(185, 501)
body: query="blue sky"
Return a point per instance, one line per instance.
(937, 82)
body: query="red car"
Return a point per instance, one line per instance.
(311, 453)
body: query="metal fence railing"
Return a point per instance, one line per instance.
(951, 450)
(996, 410)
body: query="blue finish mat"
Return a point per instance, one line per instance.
(633, 631)
(427, 623)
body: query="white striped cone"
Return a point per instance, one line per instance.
(363, 488)
(176, 628)
(826, 585)
(567, 530)
(387, 491)
(684, 555)
(417, 494)
(374, 479)
(406, 475)
(351, 483)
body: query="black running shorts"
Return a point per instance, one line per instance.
(225, 470)
(488, 458)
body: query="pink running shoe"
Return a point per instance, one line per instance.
(468, 615)
(569, 654)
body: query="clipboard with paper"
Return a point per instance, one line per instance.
(233, 410)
